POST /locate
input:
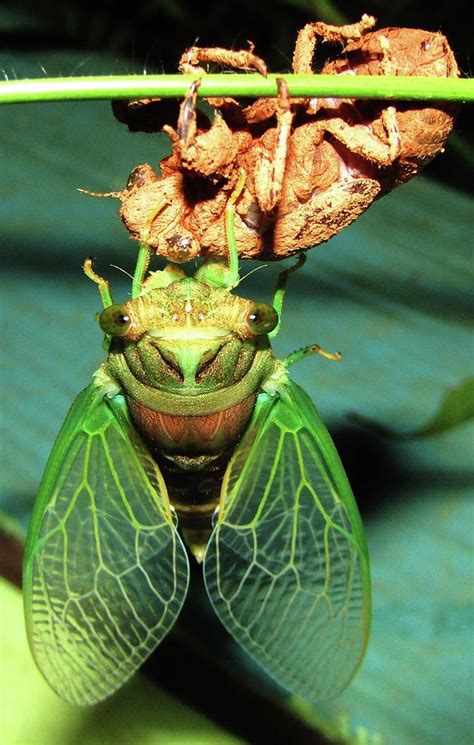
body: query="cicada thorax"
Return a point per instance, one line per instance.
(190, 436)
(191, 368)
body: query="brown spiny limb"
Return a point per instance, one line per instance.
(306, 41)
(270, 172)
(243, 59)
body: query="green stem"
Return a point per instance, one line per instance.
(249, 85)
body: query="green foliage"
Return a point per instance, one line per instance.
(141, 714)
(456, 408)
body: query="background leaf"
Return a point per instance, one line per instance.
(457, 407)
(32, 713)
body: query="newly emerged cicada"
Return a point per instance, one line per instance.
(192, 434)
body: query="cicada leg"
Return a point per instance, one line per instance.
(225, 274)
(186, 128)
(278, 298)
(186, 138)
(270, 170)
(242, 59)
(204, 151)
(141, 268)
(359, 140)
(307, 37)
(280, 290)
(300, 354)
(144, 250)
(103, 285)
(356, 137)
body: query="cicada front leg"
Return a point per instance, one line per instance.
(241, 59)
(210, 151)
(380, 147)
(271, 163)
(306, 42)
(204, 150)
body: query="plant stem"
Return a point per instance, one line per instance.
(249, 85)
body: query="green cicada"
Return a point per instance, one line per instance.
(192, 434)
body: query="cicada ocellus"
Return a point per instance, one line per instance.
(192, 434)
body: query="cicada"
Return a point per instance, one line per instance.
(192, 440)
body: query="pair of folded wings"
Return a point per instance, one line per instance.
(286, 568)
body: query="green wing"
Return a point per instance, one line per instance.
(287, 566)
(105, 571)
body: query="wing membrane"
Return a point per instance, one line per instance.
(287, 566)
(105, 570)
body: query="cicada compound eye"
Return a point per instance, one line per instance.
(115, 320)
(262, 318)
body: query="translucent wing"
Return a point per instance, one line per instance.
(105, 571)
(287, 566)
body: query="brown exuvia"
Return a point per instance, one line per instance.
(312, 165)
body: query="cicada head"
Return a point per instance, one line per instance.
(189, 338)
